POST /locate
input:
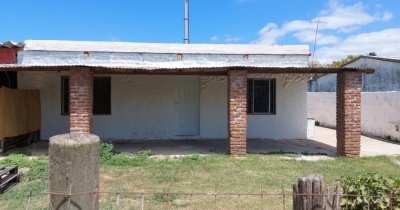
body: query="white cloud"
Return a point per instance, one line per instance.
(269, 34)
(230, 39)
(214, 38)
(338, 18)
(387, 16)
(306, 35)
(337, 36)
(322, 38)
(345, 18)
(384, 43)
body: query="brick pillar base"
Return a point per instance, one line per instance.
(237, 111)
(81, 100)
(348, 114)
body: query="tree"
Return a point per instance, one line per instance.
(317, 64)
(340, 63)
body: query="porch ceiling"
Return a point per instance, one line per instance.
(180, 71)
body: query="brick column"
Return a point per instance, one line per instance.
(348, 114)
(237, 111)
(81, 100)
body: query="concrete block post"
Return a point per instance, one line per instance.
(74, 167)
(348, 114)
(237, 111)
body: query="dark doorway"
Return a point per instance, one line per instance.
(8, 79)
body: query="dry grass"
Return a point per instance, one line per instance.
(225, 174)
(208, 174)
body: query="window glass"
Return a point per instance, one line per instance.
(261, 96)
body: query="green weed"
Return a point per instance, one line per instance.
(371, 184)
(106, 151)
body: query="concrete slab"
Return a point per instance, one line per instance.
(370, 146)
(323, 143)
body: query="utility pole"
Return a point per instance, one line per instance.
(186, 23)
(318, 22)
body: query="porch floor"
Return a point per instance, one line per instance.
(323, 142)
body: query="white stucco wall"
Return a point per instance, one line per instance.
(322, 107)
(213, 107)
(290, 121)
(379, 111)
(142, 108)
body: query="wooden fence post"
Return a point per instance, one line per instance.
(332, 198)
(309, 194)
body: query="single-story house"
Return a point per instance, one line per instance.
(124, 91)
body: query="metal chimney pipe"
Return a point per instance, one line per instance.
(186, 23)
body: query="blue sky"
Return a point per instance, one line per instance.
(352, 27)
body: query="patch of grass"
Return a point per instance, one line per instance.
(206, 174)
(127, 159)
(38, 168)
(281, 152)
(21, 151)
(311, 153)
(164, 197)
(34, 180)
(252, 173)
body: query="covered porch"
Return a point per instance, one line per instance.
(261, 94)
(348, 103)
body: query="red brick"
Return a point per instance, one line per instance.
(81, 100)
(348, 114)
(237, 111)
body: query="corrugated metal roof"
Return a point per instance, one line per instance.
(386, 58)
(395, 59)
(23, 66)
(131, 47)
(11, 44)
(253, 68)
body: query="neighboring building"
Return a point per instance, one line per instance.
(385, 78)
(380, 98)
(8, 51)
(127, 91)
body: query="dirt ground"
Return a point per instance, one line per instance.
(323, 142)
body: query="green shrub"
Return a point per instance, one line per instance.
(368, 185)
(106, 151)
